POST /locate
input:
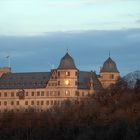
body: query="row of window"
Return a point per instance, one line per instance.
(67, 82)
(38, 93)
(25, 110)
(41, 93)
(52, 84)
(67, 73)
(48, 102)
(112, 76)
(53, 77)
(23, 84)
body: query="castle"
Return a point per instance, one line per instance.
(41, 90)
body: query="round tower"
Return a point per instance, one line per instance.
(109, 73)
(67, 76)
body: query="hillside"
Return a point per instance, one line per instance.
(132, 77)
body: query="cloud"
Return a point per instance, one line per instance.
(76, 4)
(138, 21)
(89, 49)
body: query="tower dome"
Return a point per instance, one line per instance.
(67, 62)
(109, 66)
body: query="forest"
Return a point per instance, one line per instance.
(111, 114)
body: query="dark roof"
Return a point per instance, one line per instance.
(40, 79)
(67, 62)
(109, 66)
(24, 80)
(84, 79)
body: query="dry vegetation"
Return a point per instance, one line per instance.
(112, 114)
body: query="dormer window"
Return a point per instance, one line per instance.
(110, 64)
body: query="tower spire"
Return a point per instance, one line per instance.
(67, 50)
(109, 53)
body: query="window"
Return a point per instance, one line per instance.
(76, 73)
(26, 93)
(32, 102)
(38, 93)
(76, 93)
(5, 103)
(0, 102)
(0, 94)
(83, 94)
(5, 94)
(42, 103)
(33, 93)
(26, 102)
(67, 82)
(58, 93)
(55, 102)
(51, 93)
(51, 102)
(12, 94)
(59, 83)
(47, 102)
(67, 73)
(76, 83)
(17, 102)
(42, 93)
(112, 76)
(12, 102)
(37, 102)
(67, 93)
(58, 73)
(55, 93)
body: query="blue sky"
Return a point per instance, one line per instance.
(33, 17)
(36, 33)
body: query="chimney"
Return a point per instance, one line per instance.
(4, 70)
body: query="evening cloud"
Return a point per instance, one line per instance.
(89, 49)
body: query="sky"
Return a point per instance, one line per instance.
(37, 33)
